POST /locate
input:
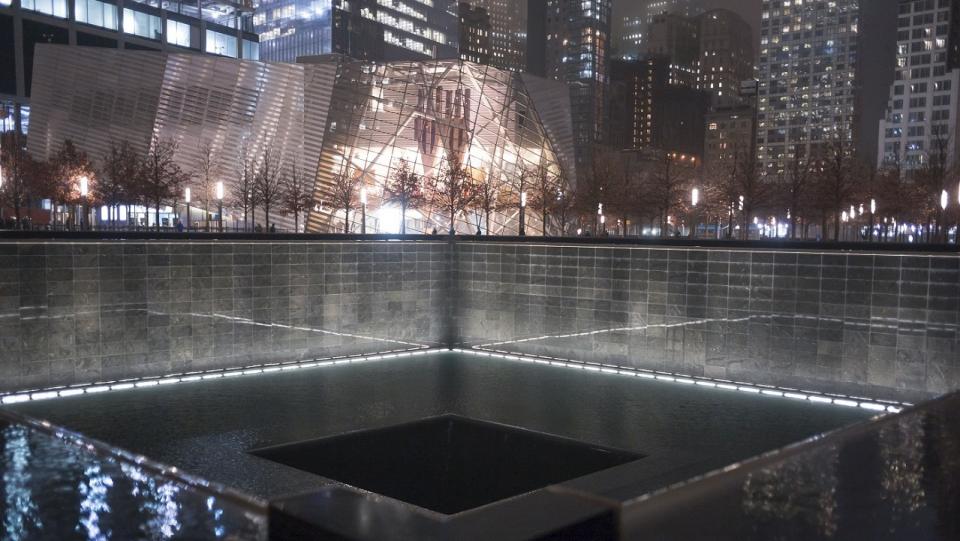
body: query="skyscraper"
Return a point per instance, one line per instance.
(508, 32)
(576, 47)
(726, 55)
(808, 68)
(474, 34)
(364, 29)
(631, 37)
(822, 76)
(921, 118)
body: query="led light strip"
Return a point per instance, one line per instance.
(884, 406)
(189, 377)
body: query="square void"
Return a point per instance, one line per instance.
(447, 464)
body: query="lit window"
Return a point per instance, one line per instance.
(178, 33)
(57, 8)
(142, 24)
(221, 44)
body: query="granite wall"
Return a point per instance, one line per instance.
(881, 324)
(85, 311)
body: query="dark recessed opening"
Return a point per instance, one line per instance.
(448, 464)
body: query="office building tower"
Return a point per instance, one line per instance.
(920, 124)
(576, 47)
(823, 75)
(508, 32)
(726, 56)
(808, 68)
(363, 29)
(655, 105)
(474, 34)
(210, 27)
(728, 137)
(631, 37)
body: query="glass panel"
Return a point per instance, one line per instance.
(142, 24)
(96, 13)
(221, 44)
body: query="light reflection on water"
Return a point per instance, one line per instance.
(52, 490)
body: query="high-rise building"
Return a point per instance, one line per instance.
(921, 118)
(808, 67)
(821, 76)
(364, 29)
(728, 136)
(726, 55)
(508, 32)
(677, 38)
(656, 105)
(631, 37)
(219, 27)
(576, 49)
(474, 34)
(657, 7)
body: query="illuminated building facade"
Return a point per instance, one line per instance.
(921, 117)
(508, 32)
(474, 34)
(576, 51)
(364, 29)
(218, 27)
(331, 115)
(808, 77)
(726, 56)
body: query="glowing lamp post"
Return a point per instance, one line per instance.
(186, 198)
(694, 201)
(219, 194)
(363, 210)
(873, 210)
(523, 214)
(84, 191)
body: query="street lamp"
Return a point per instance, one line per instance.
(873, 210)
(523, 213)
(363, 210)
(220, 205)
(694, 200)
(186, 198)
(84, 190)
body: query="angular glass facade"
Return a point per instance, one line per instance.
(334, 115)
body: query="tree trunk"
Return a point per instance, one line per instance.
(488, 222)
(836, 227)
(544, 218)
(403, 219)
(266, 217)
(346, 221)
(157, 207)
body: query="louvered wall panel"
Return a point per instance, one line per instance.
(92, 96)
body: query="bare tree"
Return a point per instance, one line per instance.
(297, 192)
(206, 177)
(161, 176)
(68, 165)
(931, 179)
(404, 188)
(21, 175)
(345, 195)
(453, 189)
(563, 208)
(117, 181)
(544, 186)
(269, 183)
(793, 189)
(242, 191)
(667, 186)
(836, 179)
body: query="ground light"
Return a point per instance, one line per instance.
(772, 391)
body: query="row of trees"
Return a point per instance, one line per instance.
(814, 191)
(458, 192)
(125, 177)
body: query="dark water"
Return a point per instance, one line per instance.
(55, 490)
(448, 464)
(208, 428)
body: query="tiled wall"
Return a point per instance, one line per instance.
(881, 324)
(884, 325)
(79, 312)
